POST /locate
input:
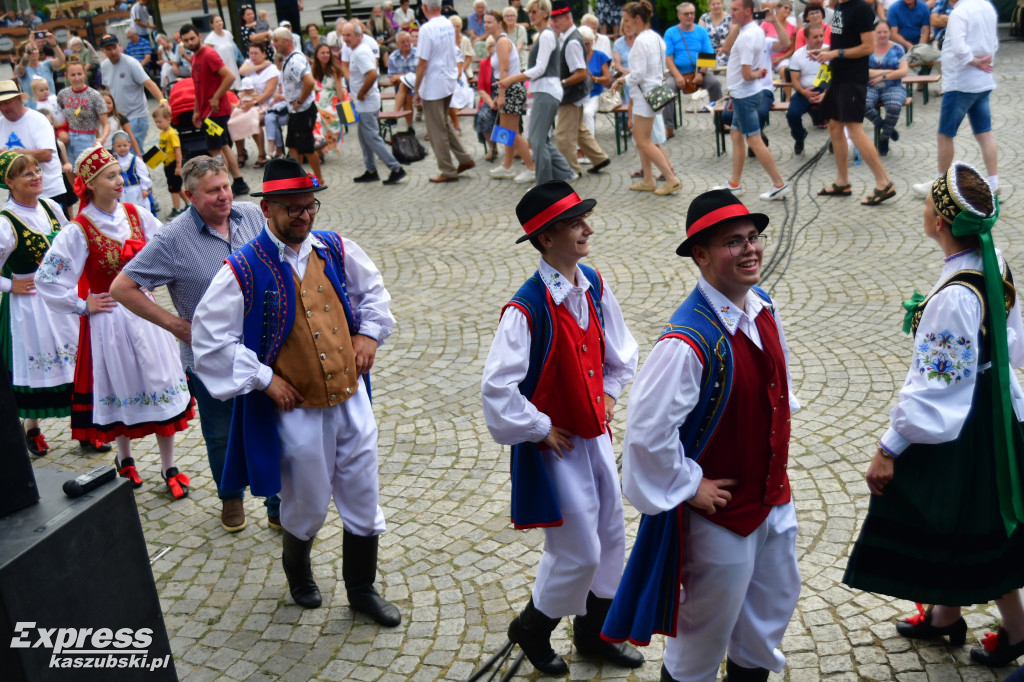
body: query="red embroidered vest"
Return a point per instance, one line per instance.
(571, 387)
(752, 440)
(107, 255)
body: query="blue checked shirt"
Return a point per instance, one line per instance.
(186, 253)
(397, 64)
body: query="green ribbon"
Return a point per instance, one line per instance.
(1011, 498)
(911, 307)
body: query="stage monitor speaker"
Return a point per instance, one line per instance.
(77, 597)
(17, 484)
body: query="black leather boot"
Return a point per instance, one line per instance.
(358, 570)
(737, 673)
(587, 636)
(531, 630)
(299, 571)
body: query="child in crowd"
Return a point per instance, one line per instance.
(118, 121)
(46, 102)
(170, 145)
(137, 183)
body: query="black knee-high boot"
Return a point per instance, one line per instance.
(299, 571)
(737, 673)
(358, 570)
(587, 636)
(531, 630)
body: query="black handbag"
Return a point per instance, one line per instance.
(406, 148)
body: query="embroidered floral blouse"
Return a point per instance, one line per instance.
(936, 398)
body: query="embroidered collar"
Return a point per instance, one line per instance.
(727, 311)
(949, 259)
(557, 286)
(308, 244)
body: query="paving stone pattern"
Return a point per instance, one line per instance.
(449, 559)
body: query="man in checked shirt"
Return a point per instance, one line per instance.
(184, 256)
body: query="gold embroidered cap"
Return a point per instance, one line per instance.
(92, 162)
(946, 196)
(6, 159)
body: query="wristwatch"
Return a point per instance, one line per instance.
(842, 53)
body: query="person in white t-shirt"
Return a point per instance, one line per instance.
(346, 51)
(436, 73)
(27, 131)
(803, 70)
(362, 83)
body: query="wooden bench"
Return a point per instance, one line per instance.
(783, 87)
(911, 81)
(720, 134)
(386, 119)
(620, 115)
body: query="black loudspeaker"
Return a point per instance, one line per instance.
(17, 484)
(77, 597)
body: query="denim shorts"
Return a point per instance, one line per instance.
(744, 115)
(956, 105)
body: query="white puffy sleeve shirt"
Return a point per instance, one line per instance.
(646, 62)
(936, 397)
(227, 367)
(510, 417)
(656, 473)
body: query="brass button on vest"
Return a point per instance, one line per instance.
(309, 313)
(327, 308)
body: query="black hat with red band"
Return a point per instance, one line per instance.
(285, 176)
(546, 204)
(559, 7)
(711, 209)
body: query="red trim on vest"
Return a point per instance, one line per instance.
(689, 342)
(541, 219)
(717, 216)
(752, 441)
(573, 378)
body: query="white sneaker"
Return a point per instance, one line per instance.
(526, 176)
(921, 189)
(502, 173)
(584, 161)
(573, 178)
(735, 190)
(777, 193)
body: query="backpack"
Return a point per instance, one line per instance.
(406, 148)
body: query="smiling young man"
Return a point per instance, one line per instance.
(291, 325)
(704, 458)
(560, 358)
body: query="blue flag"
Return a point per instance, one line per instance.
(503, 135)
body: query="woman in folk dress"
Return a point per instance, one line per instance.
(129, 382)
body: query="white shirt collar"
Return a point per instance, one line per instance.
(304, 249)
(727, 311)
(557, 286)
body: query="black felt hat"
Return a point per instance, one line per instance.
(711, 209)
(546, 204)
(285, 176)
(559, 7)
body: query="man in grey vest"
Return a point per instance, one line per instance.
(545, 85)
(570, 131)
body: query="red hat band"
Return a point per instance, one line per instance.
(554, 210)
(717, 216)
(306, 182)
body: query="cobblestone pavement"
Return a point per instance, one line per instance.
(450, 559)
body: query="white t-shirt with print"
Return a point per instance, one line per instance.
(435, 45)
(33, 131)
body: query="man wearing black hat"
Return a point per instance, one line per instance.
(552, 404)
(291, 326)
(704, 458)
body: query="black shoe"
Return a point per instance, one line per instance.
(368, 176)
(600, 166)
(894, 135)
(531, 630)
(919, 628)
(358, 570)
(798, 146)
(36, 442)
(299, 571)
(395, 176)
(737, 673)
(94, 446)
(996, 651)
(883, 146)
(126, 469)
(239, 188)
(587, 636)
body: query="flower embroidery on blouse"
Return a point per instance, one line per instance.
(52, 267)
(724, 310)
(943, 357)
(556, 280)
(47, 362)
(147, 399)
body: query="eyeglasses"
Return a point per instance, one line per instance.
(28, 175)
(296, 211)
(738, 246)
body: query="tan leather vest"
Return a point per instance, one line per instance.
(317, 357)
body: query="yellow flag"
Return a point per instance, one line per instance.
(347, 112)
(212, 129)
(154, 157)
(706, 60)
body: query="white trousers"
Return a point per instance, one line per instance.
(325, 451)
(739, 593)
(587, 552)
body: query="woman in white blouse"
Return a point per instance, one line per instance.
(224, 43)
(647, 71)
(945, 525)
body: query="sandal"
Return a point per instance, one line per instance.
(879, 195)
(260, 162)
(243, 158)
(835, 190)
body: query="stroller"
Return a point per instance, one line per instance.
(182, 102)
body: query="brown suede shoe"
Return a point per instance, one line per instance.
(232, 515)
(465, 166)
(445, 178)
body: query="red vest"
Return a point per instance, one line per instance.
(107, 256)
(571, 385)
(751, 443)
